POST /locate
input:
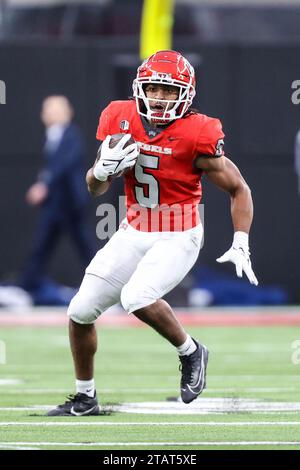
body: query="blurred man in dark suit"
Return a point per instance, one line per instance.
(60, 191)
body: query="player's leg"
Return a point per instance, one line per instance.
(94, 297)
(193, 355)
(107, 273)
(160, 316)
(105, 277)
(160, 270)
(83, 343)
(164, 265)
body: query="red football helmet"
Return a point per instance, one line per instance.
(165, 68)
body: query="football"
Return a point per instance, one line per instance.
(115, 138)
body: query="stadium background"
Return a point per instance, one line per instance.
(246, 58)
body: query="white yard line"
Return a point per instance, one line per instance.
(151, 444)
(207, 406)
(201, 406)
(13, 447)
(5, 382)
(182, 423)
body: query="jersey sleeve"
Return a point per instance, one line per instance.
(104, 124)
(210, 140)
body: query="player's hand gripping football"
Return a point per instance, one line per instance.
(115, 159)
(239, 255)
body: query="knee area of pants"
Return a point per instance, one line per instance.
(82, 311)
(134, 298)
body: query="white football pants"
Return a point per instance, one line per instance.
(136, 268)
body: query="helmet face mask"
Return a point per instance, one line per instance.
(168, 68)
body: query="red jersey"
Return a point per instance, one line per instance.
(163, 189)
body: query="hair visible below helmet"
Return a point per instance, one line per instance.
(165, 68)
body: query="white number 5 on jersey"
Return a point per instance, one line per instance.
(146, 197)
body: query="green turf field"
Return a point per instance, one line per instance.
(136, 365)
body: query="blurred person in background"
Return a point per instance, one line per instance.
(59, 191)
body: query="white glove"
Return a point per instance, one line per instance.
(116, 159)
(239, 255)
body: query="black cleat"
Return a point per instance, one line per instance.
(77, 405)
(193, 373)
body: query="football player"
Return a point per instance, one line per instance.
(160, 239)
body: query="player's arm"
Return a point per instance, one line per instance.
(96, 187)
(226, 176)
